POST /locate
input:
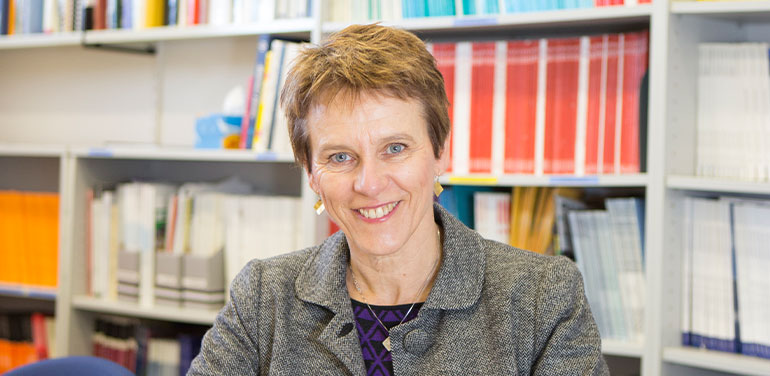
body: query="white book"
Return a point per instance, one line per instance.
(687, 273)
(498, 107)
(582, 106)
(182, 13)
(625, 233)
(608, 250)
(266, 10)
(138, 14)
(542, 69)
(220, 12)
(268, 95)
(492, 215)
(462, 109)
(280, 139)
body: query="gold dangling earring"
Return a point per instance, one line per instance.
(437, 188)
(319, 207)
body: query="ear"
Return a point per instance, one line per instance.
(311, 181)
(443, 158)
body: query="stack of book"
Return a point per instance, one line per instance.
(156, 243)
(145, 350)
(29, 230)
(51, 16)
(264, 124)
(608, 250)
(545, 106)
(733, 131)
(25, 339)
(392, 10)
(724, 275)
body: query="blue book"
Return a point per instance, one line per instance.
(125, 14)
(4, 16)
(263, 45)
(189, 346)
(32, 17)
(171, 12)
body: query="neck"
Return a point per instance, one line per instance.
(397, 278)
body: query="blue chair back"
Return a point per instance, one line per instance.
(71, 366)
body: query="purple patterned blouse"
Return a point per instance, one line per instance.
(371, 334)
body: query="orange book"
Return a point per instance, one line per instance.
(445, 54)
(31, 256)
(5, 355)
(11, 17)
(11, 234)
(50, 207)
(482, 94)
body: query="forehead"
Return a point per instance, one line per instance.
(368, 115)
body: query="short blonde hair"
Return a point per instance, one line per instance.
(359, 59)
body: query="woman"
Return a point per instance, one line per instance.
(404, 288)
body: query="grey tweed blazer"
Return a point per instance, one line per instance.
(493, 310)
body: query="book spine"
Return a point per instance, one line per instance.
(521, 106)
(482, 93)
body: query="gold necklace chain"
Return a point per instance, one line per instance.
(386, 342)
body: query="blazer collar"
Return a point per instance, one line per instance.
(457, 286)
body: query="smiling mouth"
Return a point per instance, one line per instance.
(378, 212)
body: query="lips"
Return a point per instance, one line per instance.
(379, 212)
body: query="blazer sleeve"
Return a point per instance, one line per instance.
(567, 340)
(229, 348)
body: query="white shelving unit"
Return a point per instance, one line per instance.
(65, 95)
(601, 15)
(717, 361)
(630, 180)
(695, 183)
(23, 291)
(620, 348)
(183, 315)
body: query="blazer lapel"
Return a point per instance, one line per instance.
(322, 282)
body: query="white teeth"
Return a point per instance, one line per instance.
(377, 213)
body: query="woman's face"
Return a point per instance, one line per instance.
(373, 165)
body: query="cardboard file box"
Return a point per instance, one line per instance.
(168, 279)
(128, 276)
(203, 281)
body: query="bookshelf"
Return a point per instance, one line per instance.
(66, 95)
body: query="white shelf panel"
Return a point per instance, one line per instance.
(184, 154)
(30, 150)
(39, 40)
(23, 291)
(695, 183)
(717, 361)
(720, 8)
(622, 348)
(298, 27)
(543, 18)
(288, 26)
(630, 180)
(171, 314)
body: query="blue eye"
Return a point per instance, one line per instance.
(340, 157)
(395, 148)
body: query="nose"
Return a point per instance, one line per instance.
(371, 178)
